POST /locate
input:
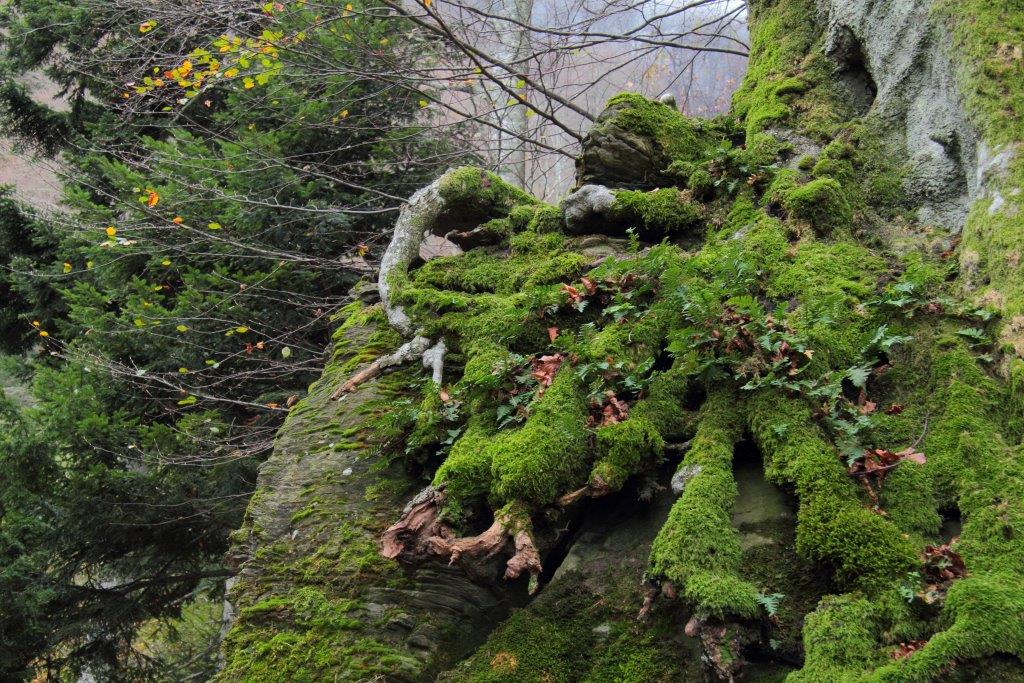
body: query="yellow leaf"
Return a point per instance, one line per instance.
(214, 226)
(248, 83)
(183, 371)
(344, 113)
(185, 68)
(177, 220)
(111, 231)
(147, 26)
(67, 267)
(35, 323)
(241, 329)
(139, 322)
(424, 104)
(165, 263)
(89, 264)
(231, 73)
(44, 333)
(348, 7)
(426, 3)
(182, 328)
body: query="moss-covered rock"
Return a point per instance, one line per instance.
(634, 141)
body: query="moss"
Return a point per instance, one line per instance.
(822, 203)
(662, 407)
(548, 455)
(782, 35)
(840, 641)
(466, 472)
(761, 150)
(478, 194)
(623, 449)
(833, 527)
(546, 219)
(665, 145)
(701, 184)
(656, 214)
(677, 137)
(986, 35)
(697, 548)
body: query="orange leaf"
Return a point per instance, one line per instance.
(152, 198)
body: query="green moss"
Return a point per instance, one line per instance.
(697, 548)
(833, 526)
(822, 203)
(677, 137)
(548, 455)
(761, 150)
(656, 214)
(480, 194)
(623, 449)
(663, 407)
(701, 184)
(782, 35)
(466, 472)
(986, 34)
(840, 641)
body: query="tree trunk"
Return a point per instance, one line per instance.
(766, 422)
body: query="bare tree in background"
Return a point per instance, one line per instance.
(537, 72)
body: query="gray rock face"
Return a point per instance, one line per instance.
(585, 207)
(896, 64)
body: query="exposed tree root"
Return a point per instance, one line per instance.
(419, 521)
(416, 348)
(420, 536)
(722, 643)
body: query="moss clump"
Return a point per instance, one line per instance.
(698, 548)
(840, 640)
(559, 638)
(662, 406)
(640, 143)
(479, 195)
(548, 455)
(657, 214)
(701, 184)
(782, 34)
(623, 449)
(822, 203)
(834, 527)
(676, 137)
(466, 473)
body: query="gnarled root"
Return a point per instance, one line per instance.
(420, 536)
(419, 523)
(419, 347)
(722, 643)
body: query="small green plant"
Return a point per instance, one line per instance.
(770, 604)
